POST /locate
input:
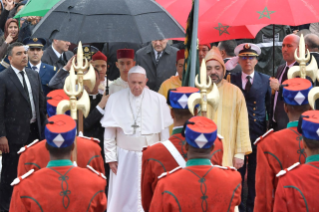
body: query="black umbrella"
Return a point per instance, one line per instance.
(100, 21)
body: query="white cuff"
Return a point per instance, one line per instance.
(240, 156)
(100, 109)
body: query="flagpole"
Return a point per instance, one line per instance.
(194, 44)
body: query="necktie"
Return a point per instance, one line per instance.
(158, 56)
(26, 90)
(34, 68)
(248, 84)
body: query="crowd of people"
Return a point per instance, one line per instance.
(141, 148)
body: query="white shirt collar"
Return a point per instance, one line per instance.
(93, 95)
(16, 70)
(243, 75)
(56, 52)
(38, 66)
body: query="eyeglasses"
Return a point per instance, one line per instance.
(247, 57)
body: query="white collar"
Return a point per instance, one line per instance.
(38, 66)
(56, 52)
(243, 75)
(93, 95)
(17, 71)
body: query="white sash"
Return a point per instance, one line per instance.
(175, 153)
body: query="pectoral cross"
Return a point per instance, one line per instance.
(134, 127)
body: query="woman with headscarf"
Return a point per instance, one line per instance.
(11, 34)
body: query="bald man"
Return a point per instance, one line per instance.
(279, 118)
(312, 44)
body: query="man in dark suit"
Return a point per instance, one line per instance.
(279, 118)
(226, 49)
(312, 44)
(159, 61)
(57, 54)
(35, 54)
(22, 115)
(257, 93)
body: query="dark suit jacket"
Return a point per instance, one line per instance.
(46, 73)
(157, 74)
(316, 56)
(258, 101)
(15, 109)
(49, 57)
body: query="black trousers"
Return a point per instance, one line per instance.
(10, 168)
(251, 175)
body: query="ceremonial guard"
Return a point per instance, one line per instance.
(278, 150)
(200, 186)
(298, 186)
(35, 53)
(36, 156)
(169, 154)
(59, 186)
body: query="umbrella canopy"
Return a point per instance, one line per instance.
(247, 12)
(36, 8)
(101, 21)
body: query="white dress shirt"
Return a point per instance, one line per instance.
(56, 52)
(244, 80)
(38, 66)
(34, 116)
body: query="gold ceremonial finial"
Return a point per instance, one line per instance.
(303, 70)
(313, 95)
(203, 98)
(87, 79)
(73, 89)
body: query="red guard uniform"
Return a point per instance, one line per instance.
(298, 190)
(37, 156)
(198, 187)
(157, 159)
(59, 187)
(276, 151)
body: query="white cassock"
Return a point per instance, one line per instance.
(118, 85)
(103, 85)
(123, 110)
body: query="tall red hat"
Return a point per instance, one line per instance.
(125, 53)
(180, 55)
(99, 56)
(206, 44)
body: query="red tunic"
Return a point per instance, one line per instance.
(298, 190)
(37, 156)
(157, 159)
(198, 188)
(275, 152)
(58, 189)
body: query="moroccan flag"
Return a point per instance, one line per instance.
(188, 50)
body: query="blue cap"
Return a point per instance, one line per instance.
(178, 98)
(310, 124)
(53, 99)
(60, 131)
(295, 91)
(34, 42)
(200, 132)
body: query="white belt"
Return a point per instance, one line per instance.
(175, 153)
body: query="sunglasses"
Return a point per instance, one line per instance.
(247, 57)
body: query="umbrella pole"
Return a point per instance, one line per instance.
(194, 43)
(273, 50)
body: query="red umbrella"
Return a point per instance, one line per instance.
(208, 32)
(247, 12)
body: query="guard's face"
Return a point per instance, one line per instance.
(124, 65)
(202, 51)
(13, 29)
(35, 55)
(289, 46)
(180, 67)
(137, 83)
(215, 71)
(159, 45)
(19, 58)
(101, 66)
(247, 63)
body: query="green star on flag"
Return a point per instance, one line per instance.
(265, 13)
(222, 29)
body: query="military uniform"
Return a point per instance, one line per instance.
(60, 186)
(279, 150)
(298, 186)
(157, 159)
(200, 186)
